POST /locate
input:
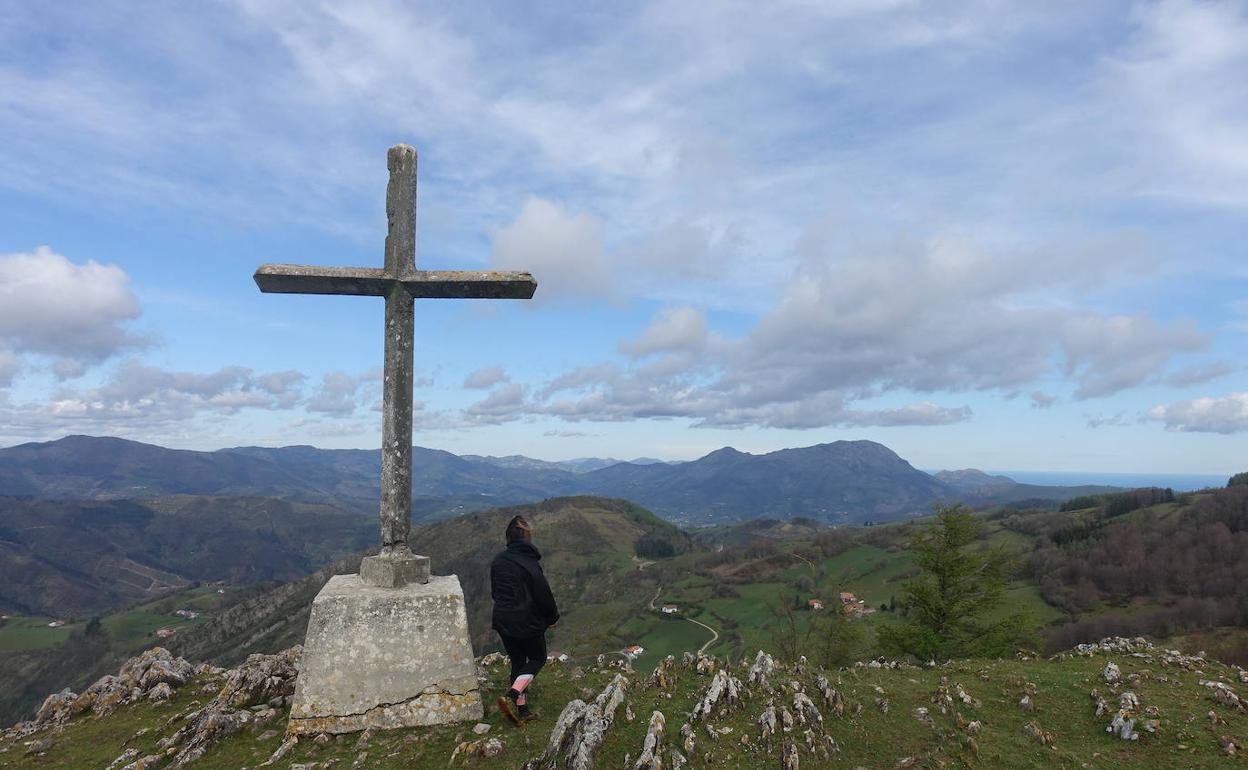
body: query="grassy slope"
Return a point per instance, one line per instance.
(22, 634)
(871, 739)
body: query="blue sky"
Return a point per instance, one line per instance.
(990, 234)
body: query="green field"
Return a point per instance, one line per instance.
(21, 634)
(132, 628)
(667, 635)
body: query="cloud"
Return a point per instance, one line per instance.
(503, 405)
(1041, 400)
(137, 399)
(1108, 354)
(941, 316)
(679, 330)
(946, 315)
(563, 252)
(1117, 420)
(341, 393)
(1197, 374)
(1177, 90)
(486, 378)
(10, 365)
(1226, 414)
(75, 314)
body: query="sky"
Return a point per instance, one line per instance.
(986, 234)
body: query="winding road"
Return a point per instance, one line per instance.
(714, 634)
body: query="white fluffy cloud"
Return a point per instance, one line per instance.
(564, 252)
(137, 397)
(486, 378)
(1225, 414)
(677, 330)
(502, 405)
(915, 318)
(75, 314)
(340, 393)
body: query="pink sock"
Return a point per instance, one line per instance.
(521, 682)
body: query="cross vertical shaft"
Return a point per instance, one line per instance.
(396, 398)
(401, 284)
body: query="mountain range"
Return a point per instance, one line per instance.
(842, 482)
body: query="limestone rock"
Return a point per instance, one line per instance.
(1033, 731)
(1224, 694)
(581, 729)
(652, 745)
(252, 684)
(762, 669)
(56, 707)
(663, 676)
(161, 693)
(789, 758)
(807, 713)
(1229, 745)
(260, 678)
(831, 697)
(768, 724)
(687, 738)
(724, 691)
(486, 748)
(1111, 673)
(127, 756)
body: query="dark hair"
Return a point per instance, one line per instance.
(518, 529)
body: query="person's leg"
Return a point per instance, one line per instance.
(535, 657)
(517, 652)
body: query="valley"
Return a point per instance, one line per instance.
(114, 571)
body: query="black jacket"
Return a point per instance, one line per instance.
(523, 604)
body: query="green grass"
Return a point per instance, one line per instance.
(22, 634)
(136, 626)
(664, 636)
(868, 738)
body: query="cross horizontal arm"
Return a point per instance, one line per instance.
(375, 282)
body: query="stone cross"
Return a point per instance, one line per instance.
(400, 283)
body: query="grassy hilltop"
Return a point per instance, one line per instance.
(963, 714)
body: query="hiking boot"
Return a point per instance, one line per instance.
(507, 705)
(527, 714)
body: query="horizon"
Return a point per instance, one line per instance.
(998, 236)
(1181, 481)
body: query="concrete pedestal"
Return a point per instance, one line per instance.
(385, 658)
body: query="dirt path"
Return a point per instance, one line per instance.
(714, 634)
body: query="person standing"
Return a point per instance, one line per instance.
(524, 608)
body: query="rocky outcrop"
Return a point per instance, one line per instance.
(652, 745)
(150, 677)
(266, 681)
(581, 729)
(722, 693)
